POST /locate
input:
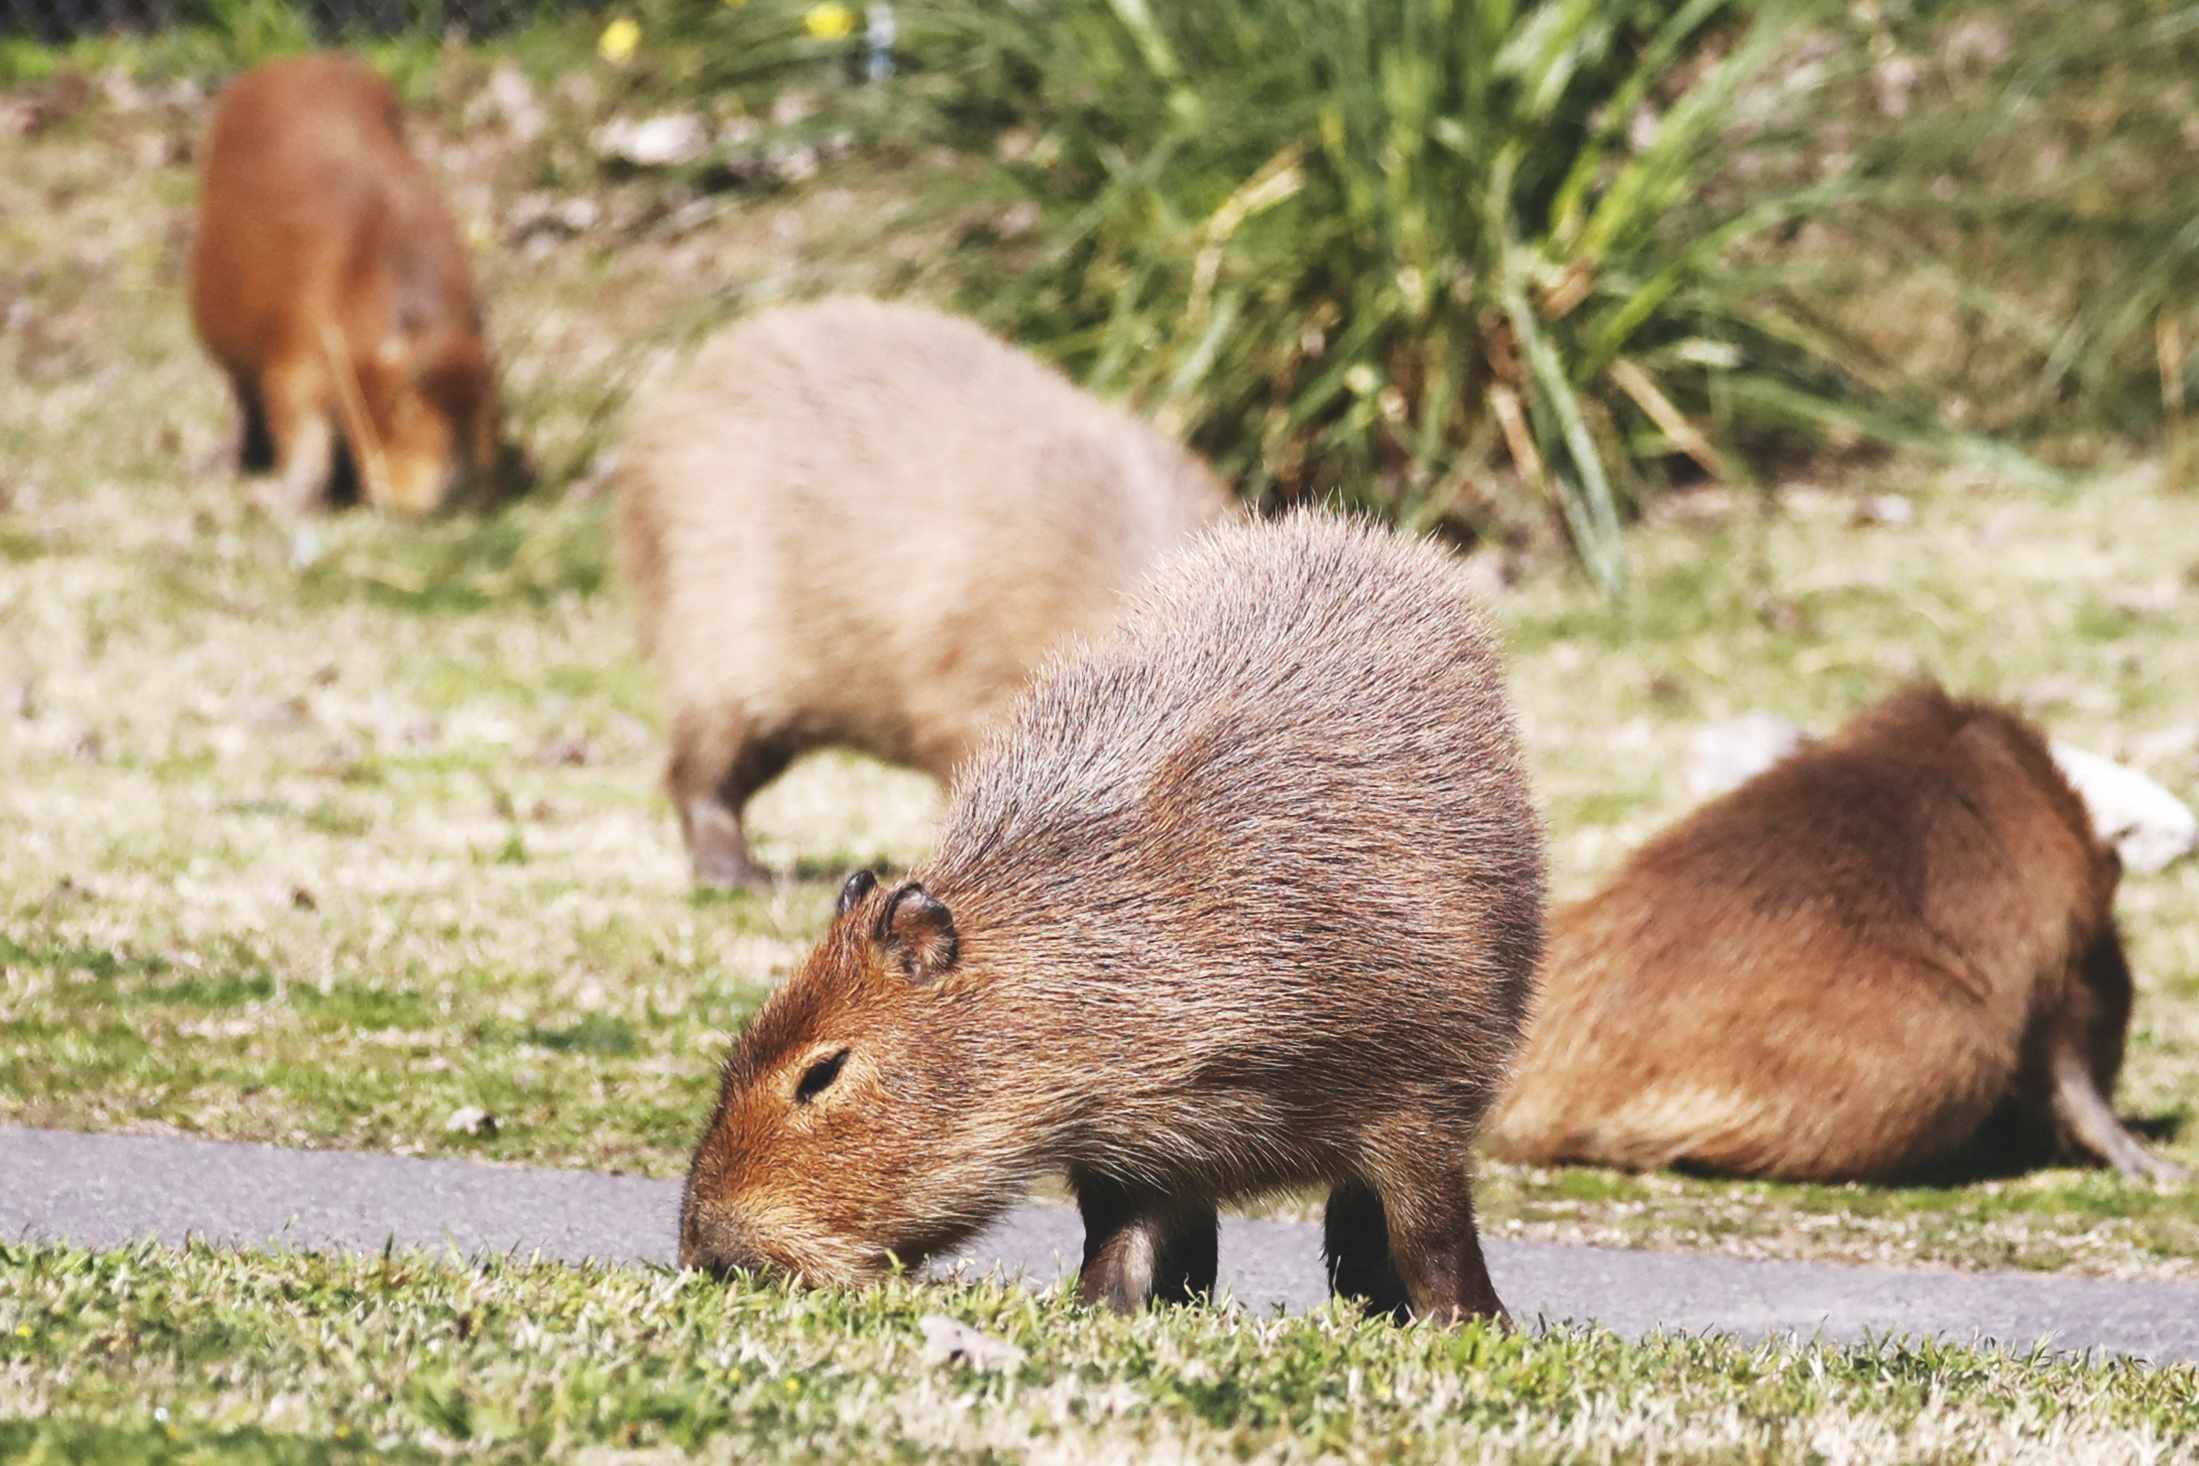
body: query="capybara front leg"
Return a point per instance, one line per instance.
(294, 400)
(1140, 1247)
(1355, 1244)
(2087, 1121)
(1429, 1208)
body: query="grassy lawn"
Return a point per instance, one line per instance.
(317, 840)
(152, 1352)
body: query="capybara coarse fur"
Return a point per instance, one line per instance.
(1246, 895)
(1843, 969)
(860, 523)
(329, 282)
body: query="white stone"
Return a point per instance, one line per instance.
(1727, 754)
(2150, 827)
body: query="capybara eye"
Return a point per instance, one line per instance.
(820, 1077)
(857, 887)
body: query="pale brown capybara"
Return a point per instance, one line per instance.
(861, 523)
(1843, 969)
(329, 282)
(1246, 895)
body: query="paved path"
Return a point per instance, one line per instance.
(104, 1190)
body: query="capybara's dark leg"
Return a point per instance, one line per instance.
(2072, 1061)
(1141, 1248)
(1355, 1243)
(255, 445)
(716, 765)
(1429, 1206)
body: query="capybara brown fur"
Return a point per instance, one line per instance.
(1844, 969)
(863, 524)
(329, 282)
(1246, 895)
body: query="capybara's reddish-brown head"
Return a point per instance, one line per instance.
(843, 1139)
(429, 391)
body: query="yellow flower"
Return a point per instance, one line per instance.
(619, 39)
(830, 21)
(22, 1331)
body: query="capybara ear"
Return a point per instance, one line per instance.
(916, 930)
(858, 886)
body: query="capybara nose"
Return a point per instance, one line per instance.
(714, 1242)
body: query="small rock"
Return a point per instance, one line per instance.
(305, 547)
(509, 100)
(792, 107)
(948, 1341)
(304, 900)
(1727, 754)
(2150, 828)
(471, 1120)
(1892, 80)
(666, 140)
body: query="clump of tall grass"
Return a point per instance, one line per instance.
(2040, 162)
(1424, 255)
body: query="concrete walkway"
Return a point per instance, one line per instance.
(106, 1190)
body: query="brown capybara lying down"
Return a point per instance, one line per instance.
(1842, 969)
(329, 281)
(1246, 895)
(863, 524)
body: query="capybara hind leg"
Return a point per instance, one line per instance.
(1429, 1208)
(1140, 1247)
(1355, 1244)
(255, 445)
(2087, 1121)
(715, 767)
(2083, 1044)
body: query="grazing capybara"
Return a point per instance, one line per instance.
(329, 281)
(860, 523)
(1246, 895)
(1843, 969)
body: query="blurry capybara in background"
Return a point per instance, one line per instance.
(329, 281)
(1246, 895)
(1843, 969)
(860, 523)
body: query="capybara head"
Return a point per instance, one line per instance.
(1996, 750)
(429, 390)
(848, 1132)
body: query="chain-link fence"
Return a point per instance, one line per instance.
(62, 20)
